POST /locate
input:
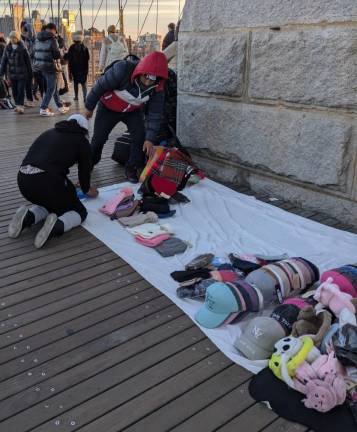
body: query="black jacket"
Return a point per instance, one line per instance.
(118, 77)
(58, 149)
(78, 59)
(2, 49)
(168, 39)
(46, 51)
(16, 62)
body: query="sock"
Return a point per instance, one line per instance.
(39, 213)
(70, 220)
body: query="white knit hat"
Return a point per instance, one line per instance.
(81, 120)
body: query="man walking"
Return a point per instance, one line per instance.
(47, 61)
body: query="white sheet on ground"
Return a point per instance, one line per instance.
(220, 220)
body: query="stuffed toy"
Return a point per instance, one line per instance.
(329, 295)
(289, 354)
(310, 323)
(321, 382)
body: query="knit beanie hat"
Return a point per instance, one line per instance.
(171, 247)
(81, 120)
(15, 34)
(77, 36)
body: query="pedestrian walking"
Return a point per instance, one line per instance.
(113, 48)
(28, 40)
(78, 64)
(47, 61)
(16, 61)
(170, 36)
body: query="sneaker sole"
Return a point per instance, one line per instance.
(45, 231)
(15, 226)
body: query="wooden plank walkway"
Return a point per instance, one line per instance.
(86, 344)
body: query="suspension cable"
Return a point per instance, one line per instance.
(146, 17)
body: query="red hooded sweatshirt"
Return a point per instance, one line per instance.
(119, 97)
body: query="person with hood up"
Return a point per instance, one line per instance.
(121, 94)
(16, 61)
(113, 48)
(78, 64)
(46, 60)
(42, 180)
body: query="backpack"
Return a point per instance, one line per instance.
(116, 49)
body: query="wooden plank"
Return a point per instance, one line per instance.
(194, 400)
(217, 414)
(282, 425)
(91, 316)
(254, 419)
(112, 387)
(124, 351)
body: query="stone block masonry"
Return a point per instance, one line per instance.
(268, 90)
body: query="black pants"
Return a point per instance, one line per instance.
(18, 91)
(55, 193)
(106, 120)
(28, 90)
(84, 89)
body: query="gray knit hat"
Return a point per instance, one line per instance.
(172, 246)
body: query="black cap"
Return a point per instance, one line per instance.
(286, 315)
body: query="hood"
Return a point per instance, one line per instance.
(154, 63)
(70, 126)
(45, 35)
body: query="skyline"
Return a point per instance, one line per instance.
(168, 12)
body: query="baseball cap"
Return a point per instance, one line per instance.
(286, 315)
(259, 337)
(221, 306)
(265, 282)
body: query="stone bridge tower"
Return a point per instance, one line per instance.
(268, 97)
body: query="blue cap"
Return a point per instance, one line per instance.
(220, 304)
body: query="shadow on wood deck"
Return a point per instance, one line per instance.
(86, 344)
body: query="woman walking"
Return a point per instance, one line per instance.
(78, 64)
(17, 62)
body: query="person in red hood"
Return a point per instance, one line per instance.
(121, 94)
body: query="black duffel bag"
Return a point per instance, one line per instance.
(121, 150)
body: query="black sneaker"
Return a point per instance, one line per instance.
(131, 174)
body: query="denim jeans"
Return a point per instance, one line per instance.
(51, 90)
(106, 120)
(18, 91)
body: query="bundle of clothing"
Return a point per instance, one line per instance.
(141, 219)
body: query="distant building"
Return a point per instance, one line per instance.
(147, 43)
(6, 25)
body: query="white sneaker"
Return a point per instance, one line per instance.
(63, 110)
(46, 112)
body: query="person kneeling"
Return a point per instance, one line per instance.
(42, 180)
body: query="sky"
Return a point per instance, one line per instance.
(168, 12)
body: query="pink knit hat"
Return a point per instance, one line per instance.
(152, 242)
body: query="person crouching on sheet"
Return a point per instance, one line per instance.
(42, 180)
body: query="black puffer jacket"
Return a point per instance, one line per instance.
(46, 51)
(56, 150)
(78, 60)
(16, 62)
